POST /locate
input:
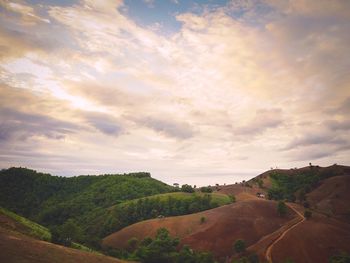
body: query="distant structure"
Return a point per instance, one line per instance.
(260, 195)
(176, 185)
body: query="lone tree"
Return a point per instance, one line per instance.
(239, 246)
(281, 208)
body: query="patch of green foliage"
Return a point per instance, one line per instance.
(187, 188)
(164, 248)
(282, 208)
(307, 214)
(341, 257)
(290, 187)
(35, 230)
(239, 246)
(206, 189)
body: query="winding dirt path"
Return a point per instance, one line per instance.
(268, 252)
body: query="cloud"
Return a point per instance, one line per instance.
(167, 127)
(104, 123)
(263, 120)
(16, 125)
(338, 125)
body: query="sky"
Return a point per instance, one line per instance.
(197, 92)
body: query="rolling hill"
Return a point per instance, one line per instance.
(256, 221)
(21, 240)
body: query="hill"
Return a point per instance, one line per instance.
(321, 190)
(169, 204)
(19, 243)
(52, 200)
(249, 219)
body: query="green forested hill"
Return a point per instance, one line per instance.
(52, 200)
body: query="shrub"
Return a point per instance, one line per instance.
(342, 257)
(132, 243)
(232, 198)
(187, 188)
(203, 219)
(307, 214)
(239, 246)
(206, 189)
(281, 208)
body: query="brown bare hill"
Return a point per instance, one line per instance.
(16, 246)
(314, 240)
(249, 219)
(332, 197)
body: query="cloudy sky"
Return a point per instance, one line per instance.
(201, 92)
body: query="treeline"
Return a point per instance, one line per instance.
(296, 186)
(146, 208)
(163, 248)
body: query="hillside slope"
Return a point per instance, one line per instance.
(250, 219)
(332, 197)
(52, 200)
(17, 246)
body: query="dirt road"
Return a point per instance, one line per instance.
(268, 252)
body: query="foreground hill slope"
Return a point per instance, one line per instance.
(250, 219)
(313, 240)
(17, 244)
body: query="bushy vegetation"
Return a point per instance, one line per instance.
(341, 257)
(307, 214)
(297, 185)
(187, 188)
(282, 208)
(163, 248)
(239, 246)
(206, 189)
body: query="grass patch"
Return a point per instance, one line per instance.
(35, 229)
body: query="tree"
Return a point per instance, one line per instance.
(132, 243)
(67, 233)
(307, 214)
(187, 188)
(206, 189)
(232, 198)
(239, 246)
(281, 208)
